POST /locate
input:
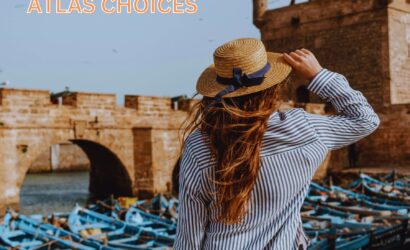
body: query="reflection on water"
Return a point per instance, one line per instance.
(53, 192)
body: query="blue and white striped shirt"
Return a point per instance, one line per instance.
(292, 150)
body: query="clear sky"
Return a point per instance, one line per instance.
(150, 54)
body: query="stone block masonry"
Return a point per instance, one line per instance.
(61, 157)
(368, 41)
(131, 150)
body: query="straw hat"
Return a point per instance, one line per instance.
(242, 67)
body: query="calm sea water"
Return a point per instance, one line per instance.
(53, 192)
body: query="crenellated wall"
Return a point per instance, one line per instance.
(131, 148)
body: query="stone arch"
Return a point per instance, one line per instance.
(108, 175)
(140, 138)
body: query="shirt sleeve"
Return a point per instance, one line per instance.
(192, 214)
(355, 117)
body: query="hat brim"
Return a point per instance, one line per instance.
(279, 71)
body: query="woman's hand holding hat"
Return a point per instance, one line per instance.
(304, 63)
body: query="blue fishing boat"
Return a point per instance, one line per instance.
(21, 232)
(110, 207)
(116, 233)
(134, 215)
(140, 218)
(367, 230)
(349, 201)
(376, 199)
(319, 244)
(381, 190)
(392, 237)
(333, 218)
(396, 179)
(368, 179)
(332, 240)
(161, 206)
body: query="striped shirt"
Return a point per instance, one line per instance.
(292, 150)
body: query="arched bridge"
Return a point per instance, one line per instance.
(131, 148)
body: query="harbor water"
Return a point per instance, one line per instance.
(53, 192)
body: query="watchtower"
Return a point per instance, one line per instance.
(368, 41)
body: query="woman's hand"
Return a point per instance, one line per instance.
(304, 62)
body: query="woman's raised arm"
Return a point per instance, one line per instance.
(355, 119)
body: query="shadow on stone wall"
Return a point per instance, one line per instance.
(62, 157)
(108, 175)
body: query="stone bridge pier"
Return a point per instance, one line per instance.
(132, 149)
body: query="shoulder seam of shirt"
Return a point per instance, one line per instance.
(313, 128)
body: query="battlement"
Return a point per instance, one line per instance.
(148, 103)
(90, 100)
(334, 12)
(38, 98)
(33, 98)
(321, 14)
(157, 104)
(24, 97)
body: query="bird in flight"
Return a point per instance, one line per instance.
(5, 83)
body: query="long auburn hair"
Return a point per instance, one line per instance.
(235, 128)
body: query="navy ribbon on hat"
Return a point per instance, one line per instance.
(240, 80)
